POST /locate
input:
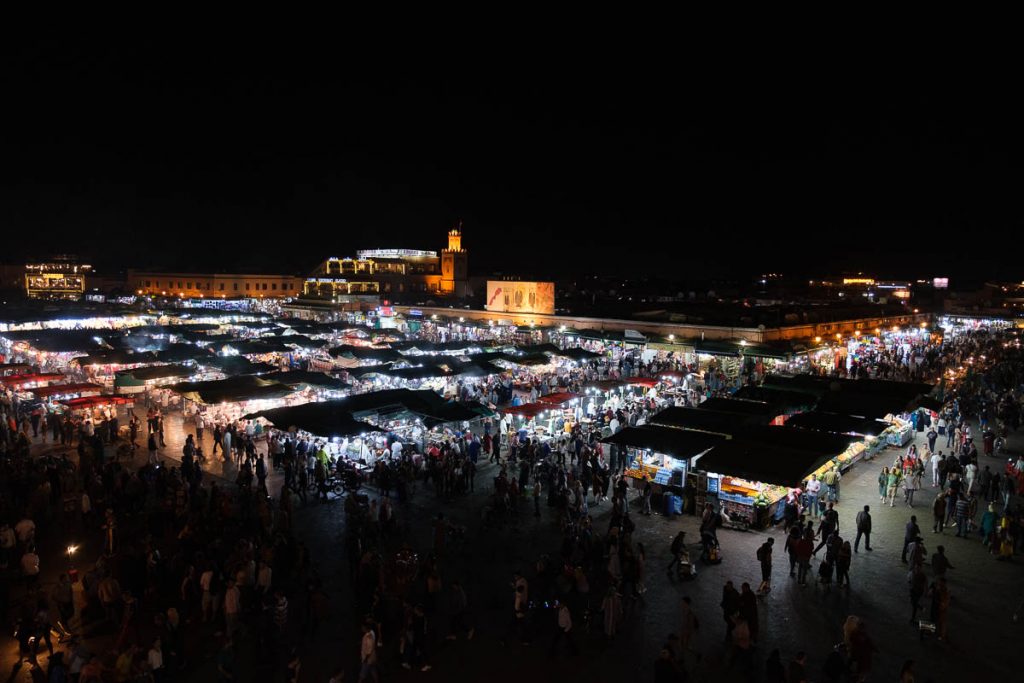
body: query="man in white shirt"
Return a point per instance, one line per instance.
(813, 489)
(396, 450)
(155, 659)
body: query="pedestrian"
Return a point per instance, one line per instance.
(918, 585)
(883, 483)
(368, 654)
(843, 561)
(152, 447)
(940, 563)
(940, 595)
(910, 532)
(764, 557)
(730, 607)
(939, 513)
(563, 631)
(863, 529)
(611, 606)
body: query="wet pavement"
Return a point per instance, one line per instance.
(985, 594)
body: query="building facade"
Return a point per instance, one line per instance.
(396, 271)
(60, 278)
(213, 285)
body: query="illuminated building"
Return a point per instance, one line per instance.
(395, 271)
(61, 278)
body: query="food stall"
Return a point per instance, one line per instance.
(748, 478)
(661, 455)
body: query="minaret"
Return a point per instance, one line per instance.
(454, 264)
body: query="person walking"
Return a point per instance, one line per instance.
(940, 563)
(863, 529)
(152, 447)
(895, 477)
(939, 513)
(883, 483)
(918, 586)
(843, 561)
(910, 532)
(563, 631)
(764, 557)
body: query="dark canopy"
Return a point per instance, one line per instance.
(706, 420)
(742, 406)
(763, 463)
(232, 390)
(679, 443)
(235, 365)
(158, 372)
(837, 424)
(328, 419)
(298, 378)
(784, 398)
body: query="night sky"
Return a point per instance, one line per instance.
(255, 157)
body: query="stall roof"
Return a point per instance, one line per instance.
(679, 443)
(327, 419)
(784, 398)
(861, 405)
(759, 462)
(65, 389)
(232, 390)
(822, 385)
(366, 353)
(256, 346)
(605, 384)
(527, 410)
(234, 365)
(797, 439)
(705, 420)
(578, 354)
(14, 367)
(433, 409)
(296, 378)
(158, 372)
(559, 398)
(742, 406)
(927, 402)
(93, 401)
(18, 380)
(836, 424)
(116, 357)
(180, 353)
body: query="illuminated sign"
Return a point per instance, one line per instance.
(858, 281)
(395, 253)
(940, 283)
(520, 297)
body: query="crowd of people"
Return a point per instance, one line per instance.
(192, 566)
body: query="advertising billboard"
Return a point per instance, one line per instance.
(520, 297)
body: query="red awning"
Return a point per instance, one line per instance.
(558, 399)
(606, 384)
(527, 410)
(66, 389)
(673, 373)
(18, 380)
(93, 401)
(643, 381)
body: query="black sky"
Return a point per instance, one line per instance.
(260, 157)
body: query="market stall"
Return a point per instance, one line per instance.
(748, 479)
(660, 455)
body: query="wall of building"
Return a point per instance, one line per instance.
(681, 330)
(216, 285)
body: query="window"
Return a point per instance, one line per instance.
(222, 286)
(179, 285)
(274, 286)
(248, 286)
(264, 286)
(236, 286)
(147, 283)
(189, 285)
